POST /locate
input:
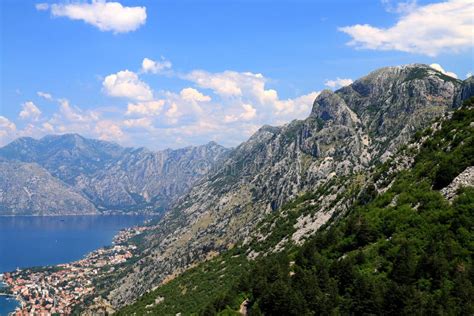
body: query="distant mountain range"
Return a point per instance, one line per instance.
(69, 174)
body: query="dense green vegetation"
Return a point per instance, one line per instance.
(405, 251)
(408, 251)
(195, 288)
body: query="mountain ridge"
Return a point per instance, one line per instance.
(109, 177)
(277, 164)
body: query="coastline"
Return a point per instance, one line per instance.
(91, 264)
(17, 298)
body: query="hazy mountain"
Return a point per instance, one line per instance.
(28, 189)
(103, 174)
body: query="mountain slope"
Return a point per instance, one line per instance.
(407, 250)
(347, 133)
(145, 178)
(402, 250)
(28, 189)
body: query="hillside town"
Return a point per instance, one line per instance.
(57, 289)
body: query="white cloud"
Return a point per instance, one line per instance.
(173, 111)
(295, 108)
(227, 83)
(440, 69)
(42, 6)
(106, 16)
(338, 83)
(469, 75)
(108, 130)
(248, 114)
(399, 6)
(145, 108)
(155, 67)
(233, 106)
(430, 30)
(30, 111)
(74, 114)
(126, 84)
(190, 94)
(45, 95)
(6, 125)
(245, 90)
(48, 127)
(144, 122)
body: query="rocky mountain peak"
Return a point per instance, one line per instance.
(330, 107)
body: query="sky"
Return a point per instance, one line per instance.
(168, 74)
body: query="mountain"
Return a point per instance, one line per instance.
(403, 247)
(326, 158)
(28, 189)
(103, 175)
(64, 156)
(142, 177)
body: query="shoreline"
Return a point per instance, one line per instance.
(18, 300)
(93, 260)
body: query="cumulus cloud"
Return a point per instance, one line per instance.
(190, 94)
(249, 88)
(6, 126)
(126, 84)
(45, 95)
(173, 111)
(223, 106)
(145, 108)
(48, 127)
(42, 6)
(338, 83)
(430, 30)
(399, 6)
(297, 107)
(227, 83)
(106, 16)
(108, 130)
(144, 122)
(249, 113)
(469, 75)
(155, 67)
(440, 69)
(30, 111)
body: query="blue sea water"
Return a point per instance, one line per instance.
(27, 241)
(7, 304)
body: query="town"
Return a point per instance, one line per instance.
(58, 289)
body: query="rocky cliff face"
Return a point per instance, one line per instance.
(103, 175)
(393, 102)
(142, 177)
(347, 132)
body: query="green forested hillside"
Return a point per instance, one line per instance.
(409, 251)
(405, 251)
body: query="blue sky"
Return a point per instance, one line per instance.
(175, 73)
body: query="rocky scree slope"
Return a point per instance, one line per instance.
(103, 175)
(347, 132)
